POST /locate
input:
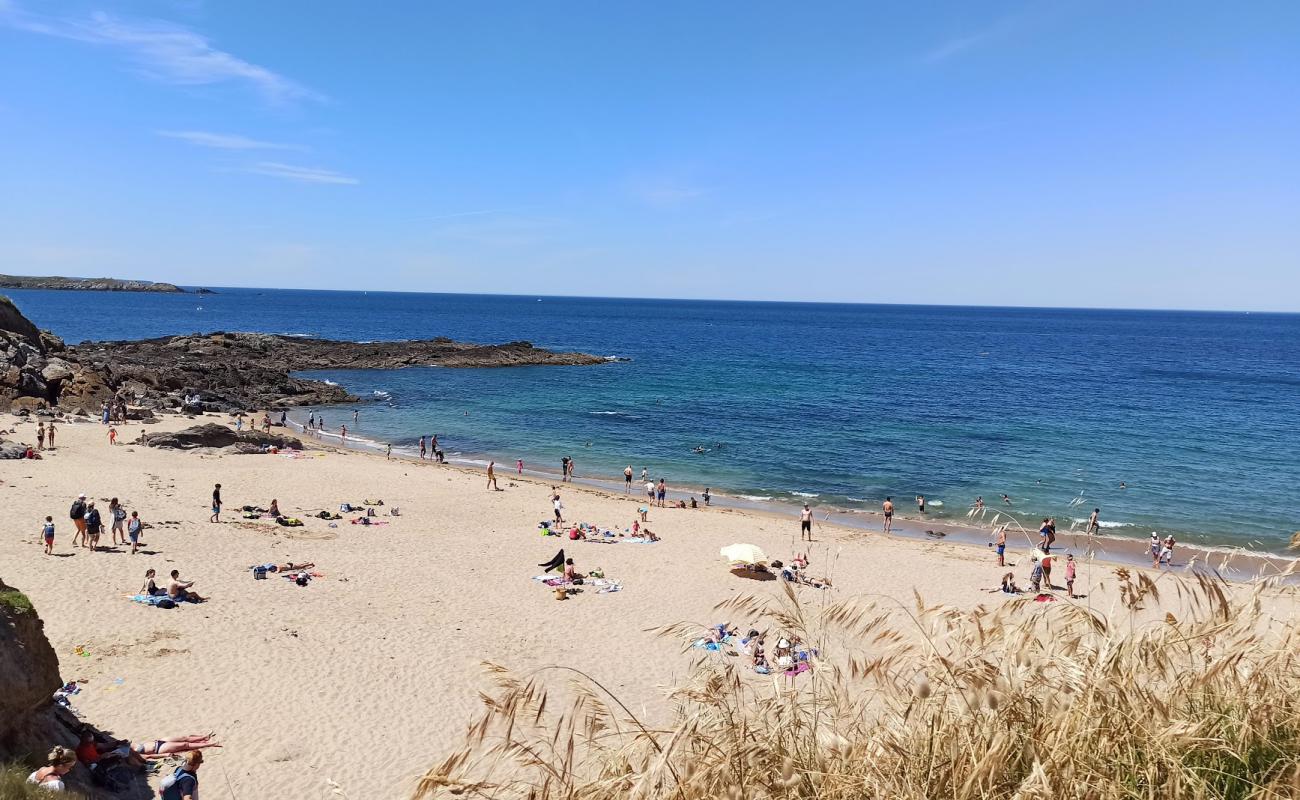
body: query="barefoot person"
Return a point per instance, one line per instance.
(1000, 539)
(179, 590)
(1093, 523)
(78, 516)
(805, 522)
(492, 476)
(1071, 567)
(47, 533)
(133, 531)
(49, 434)
(94, 526)
(627, 480)
(216, 504)
(117, 517)
(888, 508)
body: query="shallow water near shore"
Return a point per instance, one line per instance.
(1197, 414)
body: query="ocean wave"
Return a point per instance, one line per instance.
(806, 494)
(857, 500)
(757, 498)
(299, 335)
(381, 393)
(329, 382)
(1106, 523)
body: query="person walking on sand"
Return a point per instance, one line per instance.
(133, 531)
(492, 476)
(112, 435)
(216, 504)
(1000, 539)
(519, 466)
(47, 533)
(40, 436)
(888, 508)
(662, 492)
(650, 491)
(1071, 567)
(1155, 549)
(627, 480)
(1093, 523)
(343, 433)
(117, 514)
(94, 526)
(388, 451)
(1166, 552)
(49, 433)
(422, 450)
(805, 522)
(559, 510)
(78, 516)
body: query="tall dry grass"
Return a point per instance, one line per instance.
(1185, 690)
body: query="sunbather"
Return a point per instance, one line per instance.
(150, 588)
(179, 590)
(157, 748)
(275, 507)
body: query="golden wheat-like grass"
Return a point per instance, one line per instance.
(1015, 701)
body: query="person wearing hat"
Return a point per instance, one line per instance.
(183, 784)
(78, 516)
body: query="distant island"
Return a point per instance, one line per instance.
(89, 284)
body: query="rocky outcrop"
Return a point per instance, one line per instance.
(218, 436)
(30, 668)
(217, 371)
(86, 284)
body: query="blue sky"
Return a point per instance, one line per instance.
(1055, 153)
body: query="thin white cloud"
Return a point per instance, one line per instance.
(301, 174)
(225, 141)
(164, 51)
(971, 40)
(664, 192)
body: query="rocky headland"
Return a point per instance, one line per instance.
(216, 371)
(87, 284)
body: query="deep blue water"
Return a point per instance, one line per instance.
(1198, 413)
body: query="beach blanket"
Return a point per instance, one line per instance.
(549, 580)
(155, 600)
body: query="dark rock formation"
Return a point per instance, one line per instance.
(215, 371)
(86, 284)
(214, 435)
(30, 668)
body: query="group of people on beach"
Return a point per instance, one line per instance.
(102, 756)
(88, 524)
(431, 450)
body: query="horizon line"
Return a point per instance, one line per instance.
(1024, 307)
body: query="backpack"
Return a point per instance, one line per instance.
(77, 511)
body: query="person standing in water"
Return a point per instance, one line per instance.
(920, 503)
(422, 450)
(564, 469)
(492, 475)
(356, 416)
(1093, 523)
(519, 466)
(627, 480)
(888, 508)
(805, 522)
(706, 495)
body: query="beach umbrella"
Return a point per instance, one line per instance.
(744, 554)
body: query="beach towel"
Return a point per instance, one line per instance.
(549, 580)
(156, 600)
(289, 522)
(798, 669)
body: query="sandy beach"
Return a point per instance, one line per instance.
(365, 678)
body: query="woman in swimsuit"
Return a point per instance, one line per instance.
(60, 762)
(150, 588)
(157, 748)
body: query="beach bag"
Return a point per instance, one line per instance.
(395, 511)
(259, 573)
(370, 512)
(166, 602)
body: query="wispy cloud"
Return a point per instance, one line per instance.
(971, 40)
(164, 51)
(664, 192)
(225, 141)
(300, 174)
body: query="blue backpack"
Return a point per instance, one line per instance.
(178, 784)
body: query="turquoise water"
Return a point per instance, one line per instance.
(1197, 413)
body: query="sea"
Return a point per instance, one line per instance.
(1169, 421)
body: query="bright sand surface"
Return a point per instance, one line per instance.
(367, 676)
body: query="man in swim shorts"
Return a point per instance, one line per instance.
(805, 522)
(1001, 541)
(627, 480)
(888, 508)
(1093, 523)
(492, 475)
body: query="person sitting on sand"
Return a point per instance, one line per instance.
(1009, 584)
(150, 587)
(275, 508)
(570, 575)
(183, 784)
(58, 763)
(179, 590)
(649, 535)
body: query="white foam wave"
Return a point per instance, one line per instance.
(806, 494)
(1105, 523)
(757, 498)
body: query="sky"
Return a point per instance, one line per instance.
(1097, 154)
